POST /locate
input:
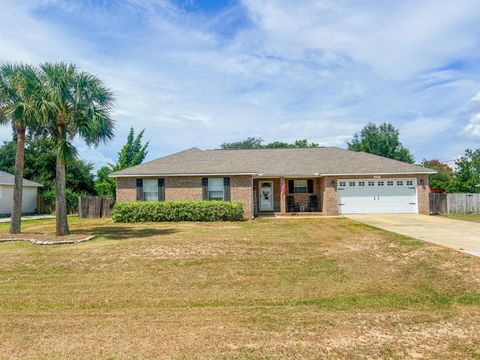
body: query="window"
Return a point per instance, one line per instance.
(300, 186)
(380, 183)
(361, 183)
(150, 190)
(409, 182)
(215, 189)
(371, 183)
(342, 183)
(351, 183)
(389, 183)
(400, 183)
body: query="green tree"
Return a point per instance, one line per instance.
(40, 164)
(383, 140)
(466, 178)
(19, 107)
(132, 153)
(79, 105)
(442, 179)
(257, 143)
(297, 144)
(248, 143)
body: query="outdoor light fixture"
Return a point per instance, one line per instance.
(333, 182)
(421, 182)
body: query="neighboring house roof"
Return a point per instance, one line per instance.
(9, 179)
(272, 162)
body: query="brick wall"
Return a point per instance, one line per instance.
(190, 188)
(126, 189)
(330, 196)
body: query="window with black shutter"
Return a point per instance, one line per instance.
(226, 189)
(161, 189)
(205, 188)
(139, 187)
(291, 187)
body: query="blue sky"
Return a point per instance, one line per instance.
(198, 73)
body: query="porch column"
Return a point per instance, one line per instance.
(283, 200)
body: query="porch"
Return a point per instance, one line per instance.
(284, 196)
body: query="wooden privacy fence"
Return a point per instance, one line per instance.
(454, 203)
(94, 207)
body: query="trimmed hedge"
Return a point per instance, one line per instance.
(195, 210)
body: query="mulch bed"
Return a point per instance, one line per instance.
(45, 239)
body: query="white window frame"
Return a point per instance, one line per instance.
(295, 186)
(148, 186)
(211, 189)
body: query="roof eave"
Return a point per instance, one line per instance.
(181, 174)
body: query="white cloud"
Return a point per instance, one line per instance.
(398, 39)
(314, 69)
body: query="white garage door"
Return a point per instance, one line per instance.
(377, 196)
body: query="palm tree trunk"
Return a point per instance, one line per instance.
(60, 197)
(15, 224)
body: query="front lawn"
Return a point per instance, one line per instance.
(283, 288)
(466, 217)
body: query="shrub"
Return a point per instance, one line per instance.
(197, 210)
(71, 197)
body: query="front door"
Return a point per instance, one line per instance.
(266, 196)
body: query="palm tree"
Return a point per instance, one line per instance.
(79, 105)
(20, 107)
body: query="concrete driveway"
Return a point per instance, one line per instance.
(456, 234)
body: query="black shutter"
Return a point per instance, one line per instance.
(291, 187)
(310, 186)
(226, 189)
(139, 185)
(161, 189)
(205, 188)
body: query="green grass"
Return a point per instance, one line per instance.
(465, 217)
(289, 288)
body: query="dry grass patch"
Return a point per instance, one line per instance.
(262, 289)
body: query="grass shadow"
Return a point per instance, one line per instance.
(123, 233)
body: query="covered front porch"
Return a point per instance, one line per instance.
(288, 196)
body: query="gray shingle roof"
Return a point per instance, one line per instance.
(9, 179)
(274, 162)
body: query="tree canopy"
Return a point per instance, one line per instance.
(257, 143)
(383, 140)
(132, 153)
(466, 178)
(40, 162)
(443, 178)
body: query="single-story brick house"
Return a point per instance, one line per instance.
(29, 198)
(324, 180)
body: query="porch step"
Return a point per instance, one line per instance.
(278, 214)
